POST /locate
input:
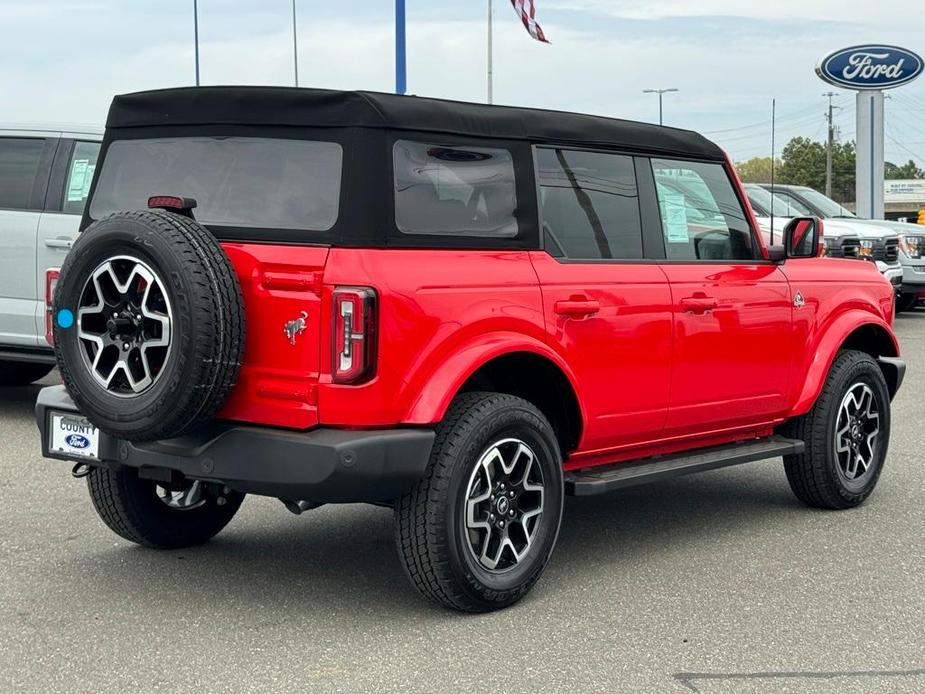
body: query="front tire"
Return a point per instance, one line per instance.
(847, 434)
(477, 531)
(144, 513)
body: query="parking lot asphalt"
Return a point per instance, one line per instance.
(714, 583)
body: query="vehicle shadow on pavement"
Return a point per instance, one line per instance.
(342, 558)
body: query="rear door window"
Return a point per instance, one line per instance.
(590, 204)
(261, 183)
(80, 170)
(20, 159)
(454, 190)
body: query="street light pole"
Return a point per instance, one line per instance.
(661, 93)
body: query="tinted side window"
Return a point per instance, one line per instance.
(590, 204)
(454, 191)
(702, 218)
(80, 170)
(19, 164)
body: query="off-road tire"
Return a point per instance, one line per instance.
(906, 302)
(813, 475)
(16, 373)
(207, 340)
(130, 507)
(428, 518)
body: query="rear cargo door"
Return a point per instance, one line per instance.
(278, 383)
(273, 197)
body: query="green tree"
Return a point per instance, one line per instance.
(908, 170)
(756, 170)
(803, 163)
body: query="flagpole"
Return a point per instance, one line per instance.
(295, 46)
(196, 36)
(490, 53)
(401, 70)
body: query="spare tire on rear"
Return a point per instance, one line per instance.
(149, 324)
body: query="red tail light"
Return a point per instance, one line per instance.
(51, 281)
(354, 334)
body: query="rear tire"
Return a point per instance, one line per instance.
(462, 544)
(844, 455)
(130, 506)
(906, 302)
(16, 373)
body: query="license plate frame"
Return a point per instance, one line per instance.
(71, 436)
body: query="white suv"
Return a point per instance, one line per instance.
(45, 175)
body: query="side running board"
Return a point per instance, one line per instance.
(598, 480)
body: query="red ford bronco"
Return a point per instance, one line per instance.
(463, 312)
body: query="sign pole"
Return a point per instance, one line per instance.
(401, 73)
(870, 166)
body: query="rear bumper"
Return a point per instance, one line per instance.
(322, 465)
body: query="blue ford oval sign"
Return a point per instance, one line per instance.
(870, 67)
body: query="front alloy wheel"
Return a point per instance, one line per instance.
(847, 434)
(857, 432)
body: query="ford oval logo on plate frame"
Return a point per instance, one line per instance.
(77, 441)
(870, 67)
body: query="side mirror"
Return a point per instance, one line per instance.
(803, 237)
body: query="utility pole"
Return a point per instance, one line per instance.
(829, 147)
(661, 93)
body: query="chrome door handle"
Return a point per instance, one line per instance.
(59, 242)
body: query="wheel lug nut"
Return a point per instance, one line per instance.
(511, 514)
(125, 346)
(511, 495)
(491, 517)
(501, 524)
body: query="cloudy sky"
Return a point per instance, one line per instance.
(62, 60)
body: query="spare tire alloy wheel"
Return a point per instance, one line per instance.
(124, 325)
(149, 329)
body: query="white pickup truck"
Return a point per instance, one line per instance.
(45, 176)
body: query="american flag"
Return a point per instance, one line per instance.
(527, 11)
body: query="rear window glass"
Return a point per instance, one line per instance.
(236, 181)
(19, 164)
(454, 191)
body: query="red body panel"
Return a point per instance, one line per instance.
(278, 383)
(621, 353)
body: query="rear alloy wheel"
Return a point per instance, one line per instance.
(477, 531)
(847, 434)
(149, 514)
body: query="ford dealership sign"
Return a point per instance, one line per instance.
(870, 67)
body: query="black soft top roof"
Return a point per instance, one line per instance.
(288, 106)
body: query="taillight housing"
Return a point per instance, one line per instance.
(51, 281)
(354, 332)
